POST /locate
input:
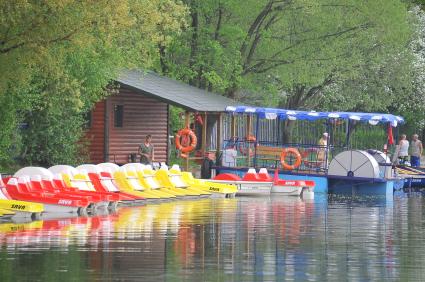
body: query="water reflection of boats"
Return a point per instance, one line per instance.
(265, 238)
(182, 234)
(160, 219)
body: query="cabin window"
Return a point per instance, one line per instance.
(118, 115)
(87, 120)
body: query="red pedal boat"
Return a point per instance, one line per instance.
(262, 184)
(52, 201)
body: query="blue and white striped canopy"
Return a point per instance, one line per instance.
(271, 113)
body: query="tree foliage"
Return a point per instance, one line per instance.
(286, 51)
(58, 56)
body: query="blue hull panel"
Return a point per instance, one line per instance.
(354, 188)
(414, 182)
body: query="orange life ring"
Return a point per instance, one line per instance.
(295, 153)
(186, 132)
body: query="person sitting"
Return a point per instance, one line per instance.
(230, 156)
(416, 151)
(146, 151)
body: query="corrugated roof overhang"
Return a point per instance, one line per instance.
(174, 92)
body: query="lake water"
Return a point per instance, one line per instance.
(242, 239)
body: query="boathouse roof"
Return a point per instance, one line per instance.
(174, 92)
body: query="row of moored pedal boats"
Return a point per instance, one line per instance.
(34, 191)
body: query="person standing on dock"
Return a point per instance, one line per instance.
(403, 153)
(322, 152)
(146, 150)
(416, 153)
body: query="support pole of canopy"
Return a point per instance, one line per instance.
(219, 134)
(278, 131)
(248, 133)
(186, 125)
(257, 128)
(347, 133)
(328, 143)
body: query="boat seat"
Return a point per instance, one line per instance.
(268, 153)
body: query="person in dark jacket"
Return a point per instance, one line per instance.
(146, 151)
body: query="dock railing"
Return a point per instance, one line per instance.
(310, 159)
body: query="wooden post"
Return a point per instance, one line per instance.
(219, 126)
(187, 125)
(233, 127)
(204, 135)
(248, 125)
(187, 119)
(106, 122)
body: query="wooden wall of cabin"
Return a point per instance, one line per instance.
(94, 134)
(141, 116)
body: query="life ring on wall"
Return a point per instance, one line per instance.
(290, 151)
(186, 148)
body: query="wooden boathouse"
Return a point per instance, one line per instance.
(118, 124)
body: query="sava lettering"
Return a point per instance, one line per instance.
(64, 202)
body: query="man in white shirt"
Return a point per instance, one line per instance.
(229, 156)
(403, 150)
(416, 151)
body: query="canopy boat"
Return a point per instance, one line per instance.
(287, 140)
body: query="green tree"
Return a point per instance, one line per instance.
(287, 51)
(297, 54)
(57, 58)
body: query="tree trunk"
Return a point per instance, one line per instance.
(162, 59)
(287, 127)
(194, 41)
